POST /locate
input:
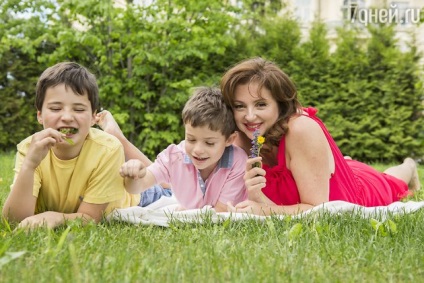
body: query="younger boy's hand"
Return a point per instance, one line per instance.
(133, 169)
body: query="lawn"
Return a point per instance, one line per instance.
(324, 248)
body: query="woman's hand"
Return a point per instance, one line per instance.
(254, 179)
(250, 207)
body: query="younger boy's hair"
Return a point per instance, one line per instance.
(206, 107)
(72, 75)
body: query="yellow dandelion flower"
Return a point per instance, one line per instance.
(261, 140)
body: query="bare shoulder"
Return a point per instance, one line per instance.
(303, 127)
(307, 146)
(304, 137)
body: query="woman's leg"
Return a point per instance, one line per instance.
(407, 171)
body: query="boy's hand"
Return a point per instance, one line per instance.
(40, 145)
(49, 219)
(133, 169)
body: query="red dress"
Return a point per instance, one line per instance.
(352, 181)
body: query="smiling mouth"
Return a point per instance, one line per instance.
(252, 127)
(200, 159)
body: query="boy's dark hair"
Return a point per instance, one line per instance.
(73, 75)
(206, 107)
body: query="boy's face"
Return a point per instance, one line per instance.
(63, 109)
(205, 147)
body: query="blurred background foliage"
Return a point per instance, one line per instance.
(148, 58)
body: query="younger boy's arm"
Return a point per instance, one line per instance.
(87, 212)
(234, 189)
(137, 177)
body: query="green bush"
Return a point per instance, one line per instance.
(147, 59)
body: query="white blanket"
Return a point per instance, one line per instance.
(163, 211)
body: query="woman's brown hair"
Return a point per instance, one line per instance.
(267, 75)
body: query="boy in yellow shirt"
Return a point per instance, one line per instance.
(68, 170)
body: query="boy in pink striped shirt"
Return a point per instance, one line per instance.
(205, 168)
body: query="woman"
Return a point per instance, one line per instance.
(302, 166)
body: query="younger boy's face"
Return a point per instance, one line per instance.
(64, 110)
(205, 147)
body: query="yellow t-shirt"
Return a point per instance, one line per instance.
(92, 176)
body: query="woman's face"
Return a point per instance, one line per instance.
(254, 110)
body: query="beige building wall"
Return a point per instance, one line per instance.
(335, 13)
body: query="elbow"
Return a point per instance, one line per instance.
(95, 219)
(5, 213)
(12, 217)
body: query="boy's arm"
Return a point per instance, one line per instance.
(21, 202)
(87, 212)
(234, 189)
(137, 177)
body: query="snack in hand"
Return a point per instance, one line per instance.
(68, 131)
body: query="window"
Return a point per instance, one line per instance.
(351, 8)
(304, 10)
(401, 8)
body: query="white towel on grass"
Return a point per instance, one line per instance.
(163, 211)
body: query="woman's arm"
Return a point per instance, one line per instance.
(253, 207)
(310, 160)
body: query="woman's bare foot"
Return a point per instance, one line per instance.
(414, 184)
(107, 123)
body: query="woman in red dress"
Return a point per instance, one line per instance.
(302, 166)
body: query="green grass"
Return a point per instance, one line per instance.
(324, 248)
